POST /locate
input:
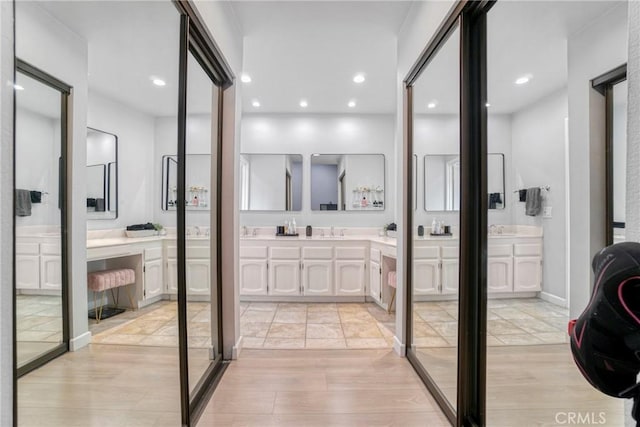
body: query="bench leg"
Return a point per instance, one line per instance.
(133, 307)
(393, 297)
(99, 313)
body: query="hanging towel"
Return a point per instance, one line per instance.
(36, 196)
(494, 200)
(534, 201)
(23, 202)
(522, 194)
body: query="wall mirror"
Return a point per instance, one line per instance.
(270, 182)
(347, 182)
(619, 153)
(198, 171)
(102, 174)
(442, 182)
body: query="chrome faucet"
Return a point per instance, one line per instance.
(342, 232)
(197, 227)
(492, 229)
(254, 232)
(331, 232)
(244, 230)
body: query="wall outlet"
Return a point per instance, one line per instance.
(546, 212)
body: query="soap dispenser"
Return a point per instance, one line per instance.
(434, 226)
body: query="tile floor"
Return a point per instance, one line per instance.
(315, 326)
(39, 325)
(528, 321)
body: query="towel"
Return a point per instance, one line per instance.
(99, 205)
(23, 202)
(533, 205)
(494, 200)
(36, 196)
(522, 194)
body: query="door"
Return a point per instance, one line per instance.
(426, 276)
(375, 280)
(350, 278)
(317, 278)
(500, 274)
(450, 274)
(253, 277)
(153, 278)
(527, 274)
(284, 277)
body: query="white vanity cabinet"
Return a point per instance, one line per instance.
(153, 282)
(197, 263)
(350, 271)
(500, 268)
(527, 267)
(426, 270)
(38, 264)
(284, 271)
(253, 270)
(375, 274)
(450, 253)
(317, 271)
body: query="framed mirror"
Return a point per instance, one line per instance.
(197, 183)
(270, 182)
(442, 182)
(102, 174)
(347, 182)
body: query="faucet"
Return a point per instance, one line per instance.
(254, 232)
(331, 232)
(492, 229)
(342, 232)
(321, 233)
(244, 231)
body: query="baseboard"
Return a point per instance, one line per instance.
(80, 341)
(399, 348)
(237, 349)
(562, 302)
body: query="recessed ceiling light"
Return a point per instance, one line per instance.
(522, 80)
(358, 78)
(255, 103)
(303, 103)
(487, 105)
(352, 104)
(17, 87)
(159, 82)
(245, 78)
(431, 105)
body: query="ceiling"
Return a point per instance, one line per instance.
(38, 97)
(311, 50)
(296, 50)
(523, 38)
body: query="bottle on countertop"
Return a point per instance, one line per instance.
(364, 202)
(293, 226)
(434, 226)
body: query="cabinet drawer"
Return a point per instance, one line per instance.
(450, 252)
(172, 252)
(288, 252)
(152, 253)
(27, 249)
(253, 251)
(350, 253)
(430, 252)
(528, 250)
(50, 248)
(202, 253)
(374, 255)
(500, 250)
(317, 253)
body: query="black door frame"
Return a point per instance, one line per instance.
(196, 40)
(470, 17)
(604, 85)
(63, 182)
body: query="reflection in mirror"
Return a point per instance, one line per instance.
(619, 151)
(38, 276)
(442, 182)
(347, 182)
(102, 175)
(270, 182)
(197, 182)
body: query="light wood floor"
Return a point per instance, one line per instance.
(111, 385)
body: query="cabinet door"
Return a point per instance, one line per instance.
(172, 276)
(450, 275)
(152, 278)
(500, 274)
(198, 276)
(51, 272)
(527, 274)
(317, 277)
(375, 281)
(27, 271)
(284, 277)
(350, 278)
(253, 276)
(426, 276)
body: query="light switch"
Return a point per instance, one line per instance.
(546, 212)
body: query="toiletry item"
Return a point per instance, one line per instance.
(364, 202)
(286, 227)
(293, 226)
(420, 231)
(447, 229)
(194, 202)
(434, 226)
(309, 231)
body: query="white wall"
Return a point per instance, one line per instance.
(538, 148)
(325, 134)
(633, 143)
(47, 44)
(594, 50)
(37, 152)
(6, 214)
(135, 132)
